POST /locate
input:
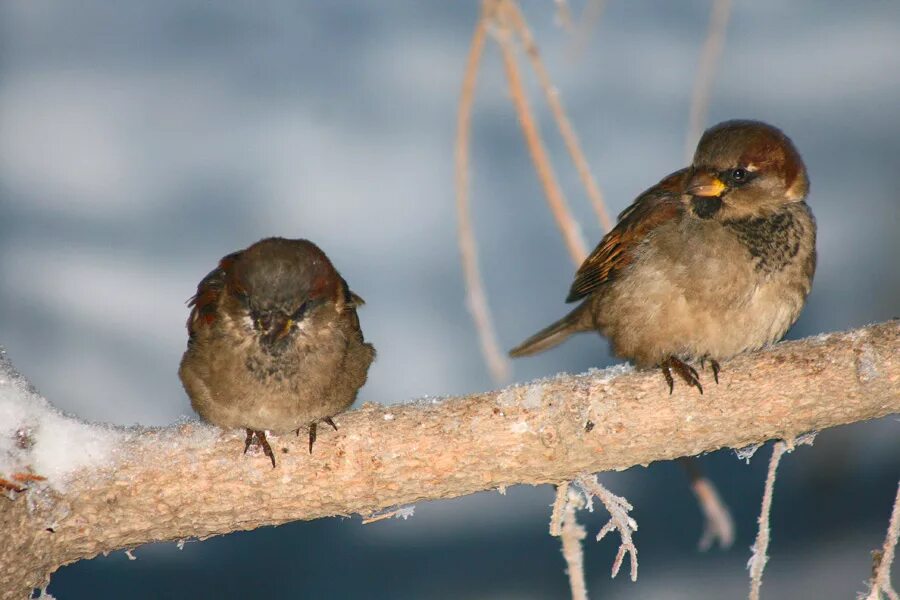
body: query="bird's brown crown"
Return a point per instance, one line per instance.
(278, 274)
(744, 169)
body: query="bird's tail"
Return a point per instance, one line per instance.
(553, 335)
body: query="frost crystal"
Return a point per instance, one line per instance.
(747, 452)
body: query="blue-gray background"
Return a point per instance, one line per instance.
(140, 142)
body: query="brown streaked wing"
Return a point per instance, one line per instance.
(203, 303)
(657, 205)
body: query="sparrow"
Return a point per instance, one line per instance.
(714, 260)
(274, 342)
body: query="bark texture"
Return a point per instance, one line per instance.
(191, 480)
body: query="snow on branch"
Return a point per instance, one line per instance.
(112, 488)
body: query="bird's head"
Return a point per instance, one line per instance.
(279, 287)
(744, 169)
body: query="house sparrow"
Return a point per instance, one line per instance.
(714, 260)
(274, 342)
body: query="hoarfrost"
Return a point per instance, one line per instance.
(747, 452)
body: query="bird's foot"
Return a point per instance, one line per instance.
(261, 441)
(312, 431)
(715, 367)
(683, 370)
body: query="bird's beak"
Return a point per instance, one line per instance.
(279, 329)
(706, 185)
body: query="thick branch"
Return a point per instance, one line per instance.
(191, 481)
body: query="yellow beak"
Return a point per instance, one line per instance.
(285, 329)
(706, 185)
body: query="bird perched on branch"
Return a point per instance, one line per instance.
(714, 260)
(274, 342)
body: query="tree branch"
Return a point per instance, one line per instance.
(190, 480)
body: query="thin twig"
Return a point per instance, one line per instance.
(555, 198)
(709, 58)
(619, 521)
(402, 512)
(564, 15)
(761, 546)
(476, 300)
(881, 580)
(569, 136)
(559, 503)
(572, 534)
(587, 24)
(718, 525)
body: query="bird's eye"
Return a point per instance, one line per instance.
(738, 175)
(298, 314)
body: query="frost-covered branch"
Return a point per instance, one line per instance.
(571, 533)
(881, 576)
(760, 557)
(113, 488)
(619, 521)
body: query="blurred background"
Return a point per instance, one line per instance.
(140, 142)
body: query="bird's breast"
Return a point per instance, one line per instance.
(774, 241)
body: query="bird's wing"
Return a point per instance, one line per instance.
(616, 250)
(203, 303)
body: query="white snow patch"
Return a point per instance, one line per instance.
(534, 396)
(36, 438)
(609, 373)
(519, 427)
(507, 397)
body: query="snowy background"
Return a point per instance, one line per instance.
(141, 142)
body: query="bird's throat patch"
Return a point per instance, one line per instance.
(706, 206)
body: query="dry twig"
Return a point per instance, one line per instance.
(562, 120)
(476, 299)
(559, 503)
(881, 578)
(587, 24)
(619, 521)
(718, 526)
(503, 33)
(564, 14)
(572, 533)
(709, 58)
(759, 558)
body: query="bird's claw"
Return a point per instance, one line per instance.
(312, 430)
(683, 370)
(261, 441)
